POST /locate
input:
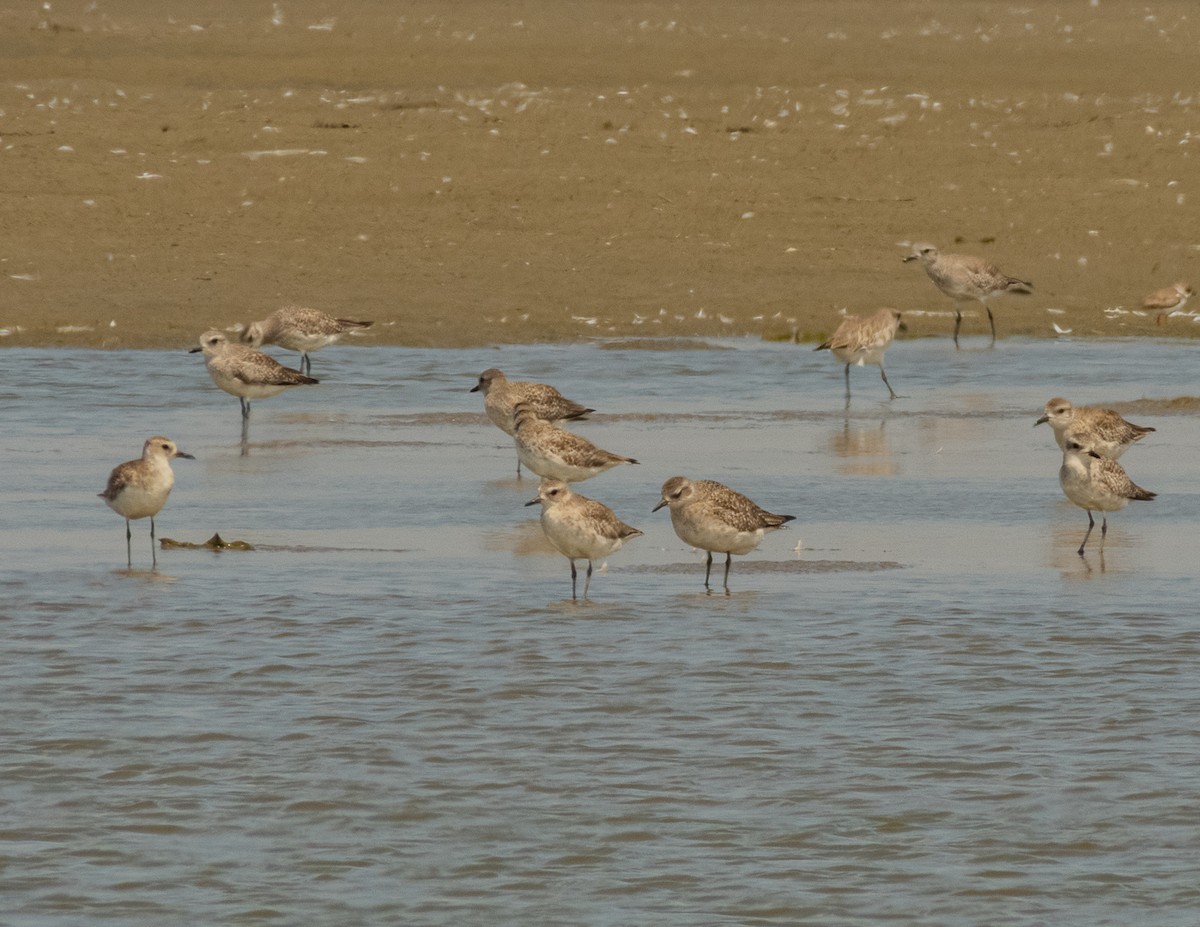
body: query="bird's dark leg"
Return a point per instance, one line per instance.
(728, 560)
(883, 373)
(153, 552)
(847, 384)
(992, 322)
(128, 545)
(957, 324)
(572, 580)
(707, 568)
(245, 425)
(305, 363)
(588, 581)
(1103, 530)
(1091, 523)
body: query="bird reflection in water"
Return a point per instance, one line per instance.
(863, 450)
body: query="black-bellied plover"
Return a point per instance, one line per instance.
(863, 341)
(139, 488)
(246, 373)
(1167, 301)
(712, 517)
(501, 396)
(1101, 430)
(555, 453)
(296, 328)
(962, 277)
(579, 528)
(1097, 483)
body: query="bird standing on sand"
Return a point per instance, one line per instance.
(579, 527)
(501, 397)
(1167, 301)
(1101, 430)
(863, 341)
(712, 517)
(1096, 483)
(139, 488)
(246, 373)
(962, 277)
(295, 328)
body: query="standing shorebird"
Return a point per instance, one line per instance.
(579, 527)
(246, 373)
(1167, 301)
(1100, 430)
(1096, 483)
(863, 341)
(962, 277)
(712, 517)
(501, 397)
(139, 488)
(557, 454)
(295, 328)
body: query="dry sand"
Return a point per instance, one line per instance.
(475, 172)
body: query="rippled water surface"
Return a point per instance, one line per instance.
(918, 706)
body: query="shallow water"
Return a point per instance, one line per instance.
(918, 706)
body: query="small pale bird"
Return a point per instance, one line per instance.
(863, 341)
(1168, 300)
(1097, 483)
(1101, 430)
(963, 277)
(555, 453)
(296, 328)
(579, 528)
(712, 517)
(246, 373)
(139, 488)
(501, 396)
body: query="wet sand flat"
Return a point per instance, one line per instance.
(483, 172)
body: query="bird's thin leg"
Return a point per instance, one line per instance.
(572, 580)
(305, 363)
(128, 545)
(728, 560)
(992, 322)
(707, 568)
(153, 552)
(1091, 523)
(245, 425)
(957, 324)
(847, 384)
(883, 373)
(588, 581)
(1103, 530)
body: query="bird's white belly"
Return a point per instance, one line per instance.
(1087, 494)
(714, 535)
(135, 502)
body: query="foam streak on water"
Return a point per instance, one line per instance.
(934, 712)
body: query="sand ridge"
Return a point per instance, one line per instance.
(485, 172)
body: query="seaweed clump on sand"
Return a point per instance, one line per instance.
(216, 542)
